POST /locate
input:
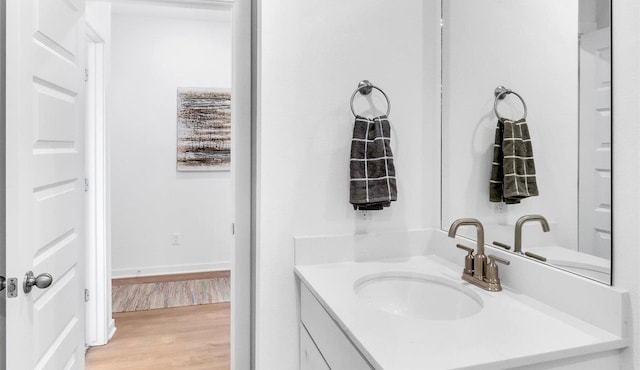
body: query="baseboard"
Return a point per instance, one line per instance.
(168, 270)
(206, 275)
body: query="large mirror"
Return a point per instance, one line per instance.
(555, 57)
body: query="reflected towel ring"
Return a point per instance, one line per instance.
(500, 93)
(364, 88)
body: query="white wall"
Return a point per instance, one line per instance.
(156, 50)
(312, 55)
(532, 48)
(626, 172)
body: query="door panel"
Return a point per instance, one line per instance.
(53, 110)
(45, 182)
(54, 218)
(595, 143)
(48, 313)
(52, 26)
(54, 170)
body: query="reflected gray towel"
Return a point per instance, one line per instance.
(373, 175)
(513, 172)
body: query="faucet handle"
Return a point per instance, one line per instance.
(535, 256)
(464, 247)
(492, 273)
(468, 260)
(493, 259)
(501, 245)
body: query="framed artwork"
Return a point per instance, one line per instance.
(204, 129)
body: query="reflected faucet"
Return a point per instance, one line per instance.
(480, 259)
(521, 221)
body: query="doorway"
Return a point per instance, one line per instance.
(158, 222)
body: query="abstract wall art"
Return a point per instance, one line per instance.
(204, 129)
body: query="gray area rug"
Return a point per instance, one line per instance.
(149, 296)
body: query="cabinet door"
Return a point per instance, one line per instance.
(336, 349)
(310, 356)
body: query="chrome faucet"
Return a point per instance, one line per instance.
(475, 266)
(521, 221)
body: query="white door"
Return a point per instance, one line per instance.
(595, 143)
(45, 182)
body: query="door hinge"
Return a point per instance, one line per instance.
(233, 229)
(12, 287)
(86, 185)
(86, 75)
(86, 295)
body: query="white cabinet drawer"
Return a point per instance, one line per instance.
(337, 350)
(310, 356)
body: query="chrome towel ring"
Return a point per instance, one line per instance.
(500, 93)
(364, 88)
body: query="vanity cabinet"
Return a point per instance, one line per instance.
(323, 345)
(310, 356)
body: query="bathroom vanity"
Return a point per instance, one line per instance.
(364, 305)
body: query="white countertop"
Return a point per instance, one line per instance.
(511, 330)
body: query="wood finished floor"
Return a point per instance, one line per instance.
(185, 338)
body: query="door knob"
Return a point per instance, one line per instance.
(41, 281)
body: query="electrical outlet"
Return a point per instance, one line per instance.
(176, 239)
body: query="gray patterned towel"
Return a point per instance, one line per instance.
(373, 176)
(513, 173)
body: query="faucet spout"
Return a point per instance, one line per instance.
(480, 259)
(521, 221)
(453, 229)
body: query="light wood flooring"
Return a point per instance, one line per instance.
(185, 338)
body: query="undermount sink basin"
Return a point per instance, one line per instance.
(418, 296)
